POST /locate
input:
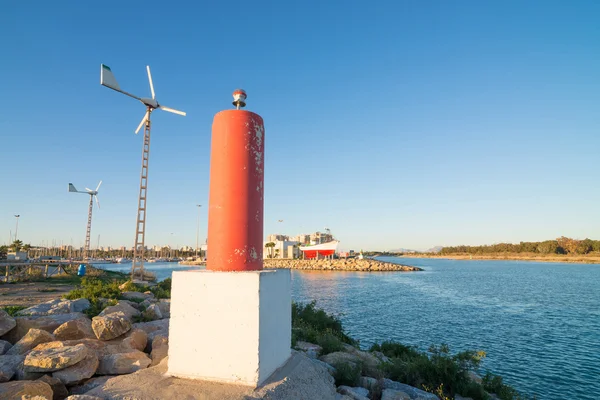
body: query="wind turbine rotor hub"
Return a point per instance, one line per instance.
(152, 103)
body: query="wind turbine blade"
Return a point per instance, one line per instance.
(97, 202)
(89, 190)
(150, 80)
(108, 79)
(172, 110)
(142, 123)
(99, 186)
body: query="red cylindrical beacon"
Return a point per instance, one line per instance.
(236, 201)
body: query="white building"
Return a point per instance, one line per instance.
(282, 249)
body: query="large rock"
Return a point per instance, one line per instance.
(49, 360)
(75, 329)
(57, 306)
(58, 388)
(136, 296)
(136, 339)
(311, 350)
(160, 349)
(111, 325)
(83, 397)
(367, 382)
(47, 323)
(339, 357)
(123, 363)
(413, 392)
(22, 375)
(330, 368)
(79, 372)
(8, 366)
(89, 384)
(165, 307)
(4, 347)
(153, 329)
(128, 311)
(355, 393)
(153, 312)
(26, 389)
(391, 394)
(299, 378)
(30, 340)
(99, 346)
(7, 323)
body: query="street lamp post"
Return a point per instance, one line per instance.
(198, 228)
(17, 228)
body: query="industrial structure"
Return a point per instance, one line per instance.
(108, 79)
(93, 195)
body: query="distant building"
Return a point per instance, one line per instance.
(275, 238)
(302, 239)
(17, 256)
(282, 249)
(320, 237)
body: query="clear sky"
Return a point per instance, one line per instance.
(395, 124)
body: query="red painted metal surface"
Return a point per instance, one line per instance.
(235, 208)
(309, 254)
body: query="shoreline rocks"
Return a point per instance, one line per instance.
(349, 264)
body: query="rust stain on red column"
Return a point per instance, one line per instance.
(235, 215)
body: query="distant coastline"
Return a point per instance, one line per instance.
(559, 258)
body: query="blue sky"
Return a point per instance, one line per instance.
(395, 124)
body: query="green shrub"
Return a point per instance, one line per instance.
(347, 374)
(438, 370)
(93, 288)
(311, 324)
(96, 306)
(395, 350)
(330, 343)
(161, 290)
(13, 310)
(494, 384)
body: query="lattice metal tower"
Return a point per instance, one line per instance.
(93, 195)
(108, 79)
(137, 266)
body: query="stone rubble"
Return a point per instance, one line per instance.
(30, 340)
(57, 306)
(59, 390)
(4, 347)
(79, 372)
(6, 322)
(54, 351)
(350, 264)
(53, 359)
(25, 389)
(110, 326)
(75, 329)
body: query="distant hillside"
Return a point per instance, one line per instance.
(401, 250)
(435, 249)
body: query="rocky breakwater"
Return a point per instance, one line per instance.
(54, 349)
(350, 264)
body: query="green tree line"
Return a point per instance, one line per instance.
(562, 245)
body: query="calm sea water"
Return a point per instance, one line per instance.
(539, 323)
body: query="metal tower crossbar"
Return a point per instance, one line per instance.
(137, 266)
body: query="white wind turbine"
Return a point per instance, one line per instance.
(93, 195)
(108, 79)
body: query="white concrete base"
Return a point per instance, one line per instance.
(231, 327)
